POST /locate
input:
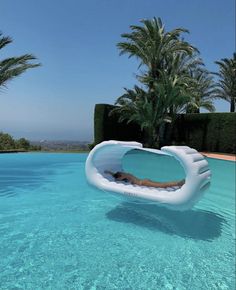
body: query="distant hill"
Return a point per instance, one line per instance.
(63, 145)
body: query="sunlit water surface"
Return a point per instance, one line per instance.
(57, 232)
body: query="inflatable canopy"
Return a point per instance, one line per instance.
(108, 156)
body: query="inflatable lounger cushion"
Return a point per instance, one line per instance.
(108, 156)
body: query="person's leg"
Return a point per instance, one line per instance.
(148, 182)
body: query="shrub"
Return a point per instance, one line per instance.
(213, 132)
(107, 127)
(6, 142)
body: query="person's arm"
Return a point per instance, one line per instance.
(130, 178)
(109, 172)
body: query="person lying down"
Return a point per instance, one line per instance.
(127, 177)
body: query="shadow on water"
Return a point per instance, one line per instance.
(194, 224)
(21, 179)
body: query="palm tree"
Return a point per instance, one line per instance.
(173, 76)
(13, 66)
(153, 46)
(226, 85)
(202, 91)
(159, 53)
(137, 106)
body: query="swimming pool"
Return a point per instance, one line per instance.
(56, 232)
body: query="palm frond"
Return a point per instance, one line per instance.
(14, 66)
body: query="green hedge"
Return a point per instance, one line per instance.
(107, 127)
(213, 132)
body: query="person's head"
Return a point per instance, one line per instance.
(117, 174)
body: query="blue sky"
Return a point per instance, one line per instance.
(76, 43)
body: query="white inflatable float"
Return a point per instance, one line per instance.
(108, 156)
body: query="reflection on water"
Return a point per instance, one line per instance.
(11, 179)
(20, 171)
(194, 224)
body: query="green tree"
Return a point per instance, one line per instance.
(202, 92)
(168, 62)
(14, 66)
(6, 142)
(35, 148)
(137, 106)
(22, 143)
(226, 84)
(153, 47)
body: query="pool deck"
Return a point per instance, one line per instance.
(230, 157)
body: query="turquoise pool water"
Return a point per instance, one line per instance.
(56, 232)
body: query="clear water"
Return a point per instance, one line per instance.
(56, 232)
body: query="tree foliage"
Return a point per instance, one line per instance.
(22, 143)
(226, 85)
(14, 66)
(7, 142)
(171, 73)
(203, 90)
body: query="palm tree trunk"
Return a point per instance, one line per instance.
(232, 105)
(152, 137)
(162, 134)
